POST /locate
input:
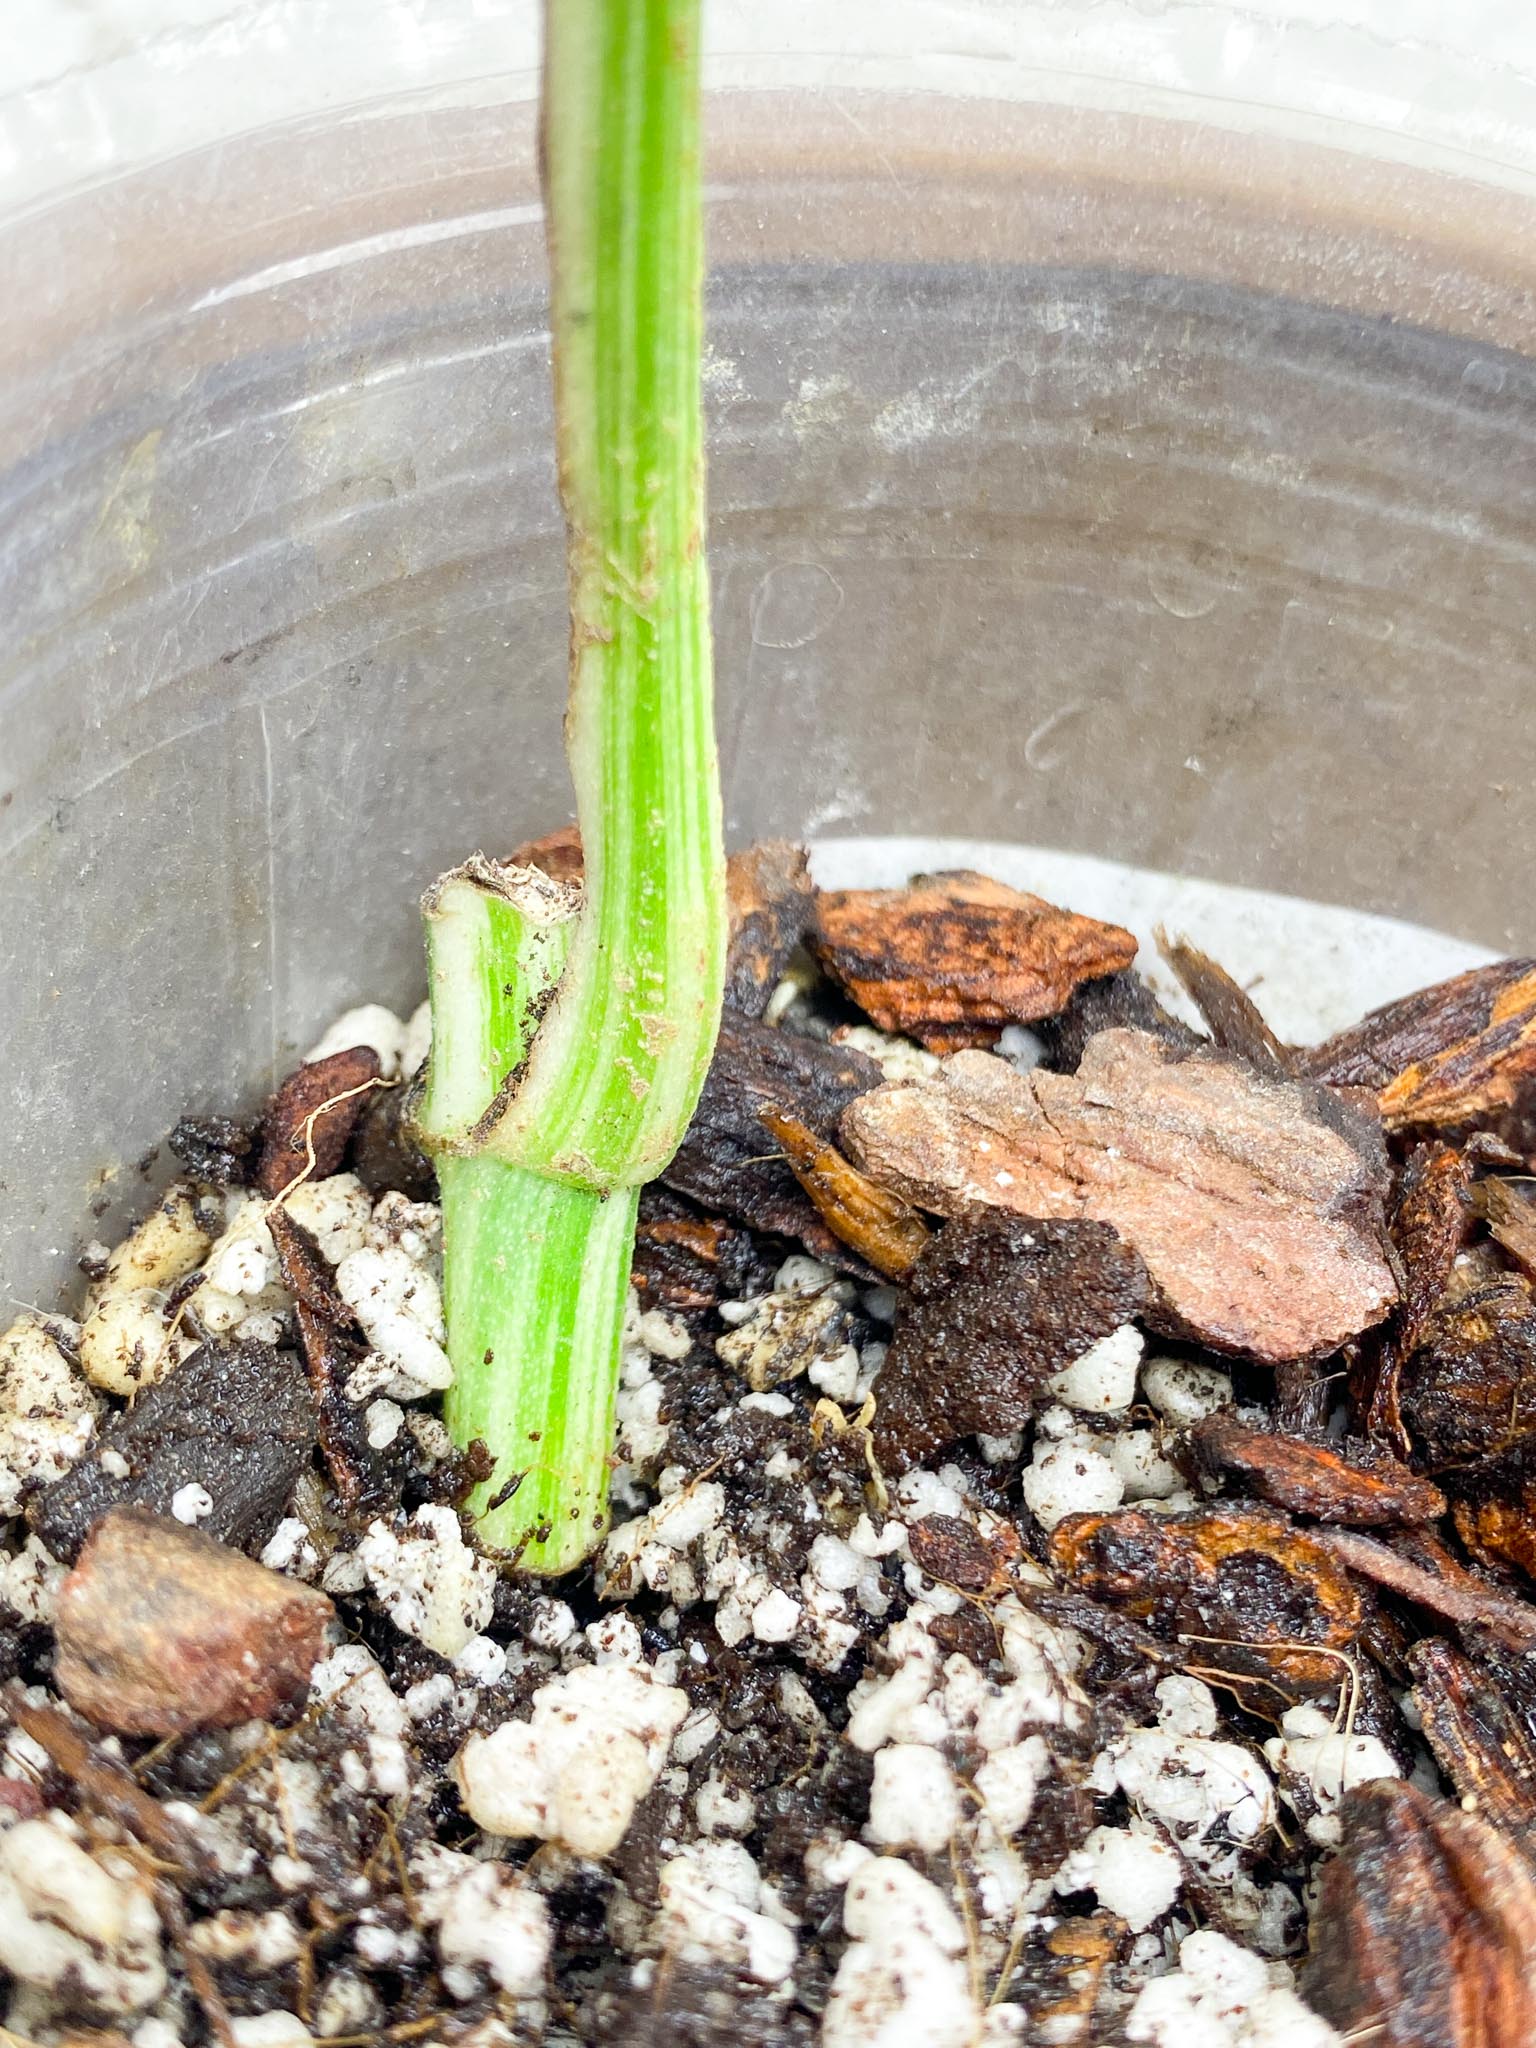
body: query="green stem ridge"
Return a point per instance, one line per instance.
(618, 1063)
(572, 1030)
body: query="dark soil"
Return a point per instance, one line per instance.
(1010, 1650)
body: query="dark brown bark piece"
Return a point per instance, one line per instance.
(1493, 1505)
(1434, 1579)
(162, 1631)
(729, 1165)
(956, 1553)
(1481, 1084)
(952, 958)
(333, 1347)
(1303, 1397)
(1117, 1002)
(305, 1092)
(216, 1149)
(1511, 1222)
(1423, 1932)
(995, 1305)
(1469, 1389)
(233, 1418)
(1083, 1950)
(685, 1262)
(1233, 1018)
(1257, 1205)
(878, 1225)
(557, 854)
(1354, 1482)
(1480, 1739)
(385, 1154)
(1428, 1229)
(1415, 1028)
(1459, 1057)
(1270, 1594)
(772, 901)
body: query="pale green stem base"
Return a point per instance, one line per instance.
(535, 1282)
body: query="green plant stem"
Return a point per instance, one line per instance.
(536, 1275)
(546, 1116)
(617, 1065)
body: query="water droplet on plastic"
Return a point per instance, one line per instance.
(1189, 580)
(794, 603)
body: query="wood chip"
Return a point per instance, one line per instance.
(105, 1785)
(1458, 1057)
(878, 1225)
(1416, 1028)
(1085, 1948)
(333, 1348)
(1469, 1389)
(341, 1080)
(385, 1154)
(234, 1418)
(1428, 1229)
(1511, 1222)
(1438, 1583)
(956, 1553)
(558, 854)
(685, 1262)
(162, 1631)
(953, 958)
(1118, 1002)
(772, 901)
(1423, 1933)
(1354, 1482)
(1234, 1020)
(1474, 1085)
(1239, 1582)
(727, 1162)
(1494, 1509)
(1257, 1205)
(1480, 1737)
(994, 1307)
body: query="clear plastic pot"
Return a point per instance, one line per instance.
(1123, 441)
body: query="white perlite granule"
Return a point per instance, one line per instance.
(434, 1586)
(1103, 1380)
(903, 1981)
(72, 1919)
(488, 1920)
(370, 1024)
(575, 1771)
(1221, 1996)
(1329, 1759)
(711, 1894)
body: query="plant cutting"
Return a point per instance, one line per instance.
(1072, 1472)
(572, 1030)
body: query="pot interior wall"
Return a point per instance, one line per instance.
(1090, 554)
